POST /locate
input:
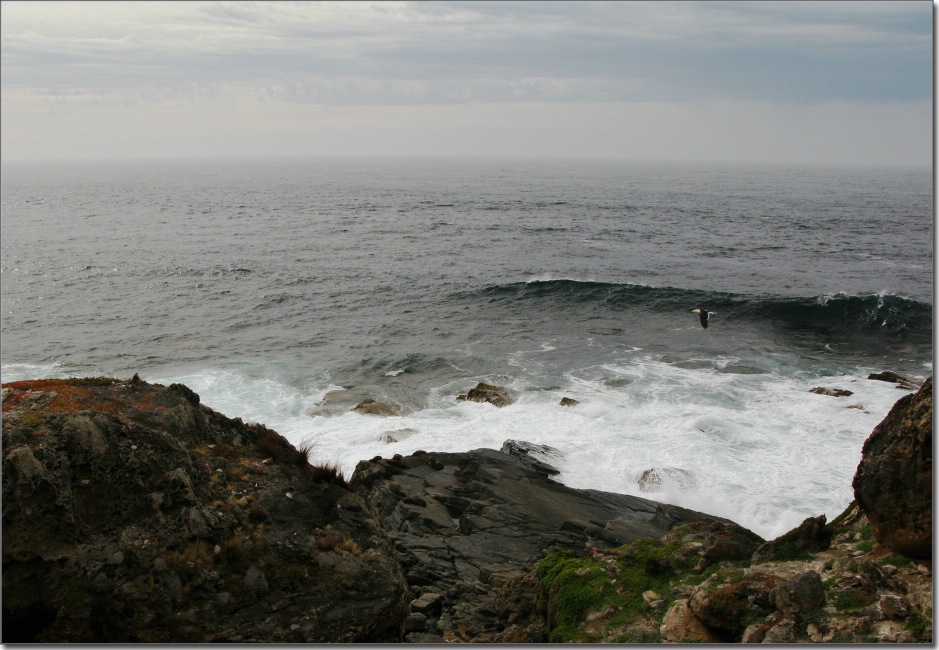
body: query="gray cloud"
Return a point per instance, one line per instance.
(264, 57)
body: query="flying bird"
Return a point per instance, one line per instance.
(703, 315)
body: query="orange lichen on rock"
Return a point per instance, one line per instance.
(74, 395)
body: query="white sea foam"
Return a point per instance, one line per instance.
(763, 450)
(20, 371)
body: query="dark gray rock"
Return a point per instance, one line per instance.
(488, 517)
(537, 456)
(800, 594)
(893, 482)
(134, 514)
(891, 377)
(832, 392)
(811, 536)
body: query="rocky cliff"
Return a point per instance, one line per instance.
(133, 513)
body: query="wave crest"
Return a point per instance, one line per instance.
(871, 314)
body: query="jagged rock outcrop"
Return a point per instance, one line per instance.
(893, 482)
(811, 536)
(678, 589)
(467, 524)
(837, 582)
(131, 513)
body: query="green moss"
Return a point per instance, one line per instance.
(788, 551)
(865, 546)
(31, 418)
(580, 585)
(647, 564)
(896, 560)
(850, 599)
(918, 628)
(836, 522)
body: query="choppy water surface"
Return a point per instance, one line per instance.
(265, 285)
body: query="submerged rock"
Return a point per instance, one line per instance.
(397, 435)
(656, 479)
(371, 407)
(832, 392)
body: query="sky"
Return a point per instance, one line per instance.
(846, 82)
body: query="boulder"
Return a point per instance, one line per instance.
(680, 625)
(895, 378)
(831, 392)
(801, 594)
(657, 479)
(371, 407)
(727, 609)
(726, 541)
(569, 401)
(495, 395)
(893, 482)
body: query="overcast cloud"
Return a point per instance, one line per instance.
(839, 82)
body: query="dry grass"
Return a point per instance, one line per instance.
(327, 473)
(304, 451)
(258, 515)
(234, 551)
(332, 540)
(270, 445)
(350, 546)
(195, 556)
(329, 540)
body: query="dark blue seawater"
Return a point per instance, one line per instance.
(267, 284)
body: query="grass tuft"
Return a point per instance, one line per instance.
(327, 473)
(304, 451)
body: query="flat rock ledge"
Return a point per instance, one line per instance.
(466, 524)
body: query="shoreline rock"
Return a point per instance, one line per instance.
(133, 513)
(895, 470)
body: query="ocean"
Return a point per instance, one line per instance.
(287, 291)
